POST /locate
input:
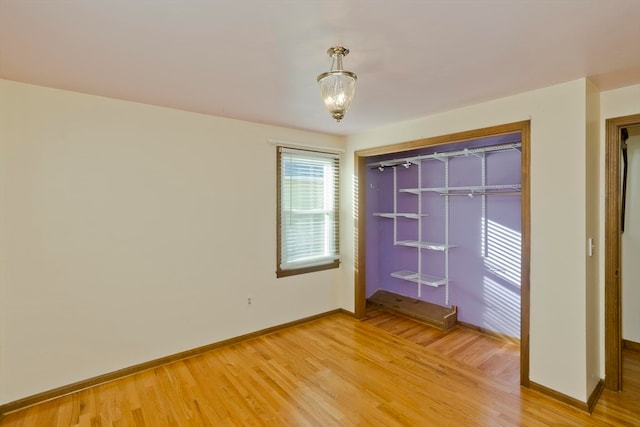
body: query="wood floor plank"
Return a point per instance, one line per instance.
(386, 370)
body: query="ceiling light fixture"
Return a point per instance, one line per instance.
(337, 86)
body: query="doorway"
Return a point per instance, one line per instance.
(360, 244)
(613, 255)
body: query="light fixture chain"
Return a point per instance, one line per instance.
(337, 59)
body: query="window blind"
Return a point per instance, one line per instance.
(308, 210)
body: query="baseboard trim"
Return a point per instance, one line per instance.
(571, 401)
(595, 395)
(494, 334)
(125, 372)
(631, 345)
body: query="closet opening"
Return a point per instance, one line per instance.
(443, 231)
(619, 289)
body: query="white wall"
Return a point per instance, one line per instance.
(131, 232)
(558, 346)
(618, 103)
(631, 243)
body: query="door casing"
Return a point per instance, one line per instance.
(613, 252)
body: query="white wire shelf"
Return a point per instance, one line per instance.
(411, 190)
(409, 215)
(423, 279)
(424, 245)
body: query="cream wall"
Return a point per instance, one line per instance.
(118, 245)
(558, 343)
(130, 232)
(620, 102)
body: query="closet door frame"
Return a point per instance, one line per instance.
(360, 158)
(613, 252)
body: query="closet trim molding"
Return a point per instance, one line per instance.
(613, 253)
(360, 164)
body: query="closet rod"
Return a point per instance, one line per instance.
(464, 152)
(484, 193)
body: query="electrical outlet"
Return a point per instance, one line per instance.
(248, 300)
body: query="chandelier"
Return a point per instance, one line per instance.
(337, 86)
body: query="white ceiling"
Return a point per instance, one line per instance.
(258, 60)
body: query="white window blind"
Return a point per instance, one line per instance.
(308, 210)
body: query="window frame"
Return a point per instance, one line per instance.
(333, 260)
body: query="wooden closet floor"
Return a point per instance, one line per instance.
(336, 371)
(494, 356)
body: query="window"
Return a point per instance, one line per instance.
(308, 225)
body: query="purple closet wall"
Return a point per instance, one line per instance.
(484, 265)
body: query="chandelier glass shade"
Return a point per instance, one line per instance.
(337, 86)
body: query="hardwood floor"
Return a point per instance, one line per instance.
(499, 358)
(386, 370)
